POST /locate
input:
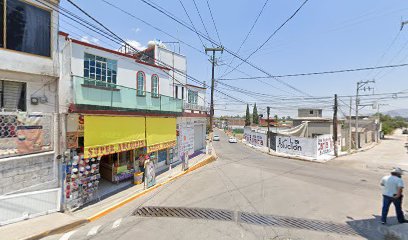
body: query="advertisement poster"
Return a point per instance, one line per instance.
(29, 139)
(188, 140)
(150, 174)
(325, 145)
(72, 140)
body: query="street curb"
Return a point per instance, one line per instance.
(131, 198)
(57, 230)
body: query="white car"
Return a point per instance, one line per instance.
(232, 140)
(216, 138)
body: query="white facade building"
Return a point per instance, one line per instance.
(192, 124)
(29, 73)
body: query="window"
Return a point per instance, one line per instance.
(12, 95)
(311, 111)
(192, 97)
(100, 71)
(155, 85)
(28, 28)
(140, 83)
(182, 92)
(176, 90)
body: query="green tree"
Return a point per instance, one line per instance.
(255, 116)
(247, 117)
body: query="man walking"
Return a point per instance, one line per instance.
(392, 193)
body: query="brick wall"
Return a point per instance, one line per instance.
(28, 173)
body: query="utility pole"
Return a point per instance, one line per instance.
(268, 141)
(360, 86)
(213, 50)
(335, 126)
(349, 132)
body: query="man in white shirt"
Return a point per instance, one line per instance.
(392, 193)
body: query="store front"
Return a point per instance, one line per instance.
(161, 140)
(103, 157)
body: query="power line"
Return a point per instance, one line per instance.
(318, 73)
(215, 25)
(270, 36)
(249, 32)
(199, 14)
(117, 37)
(225, 49)
(191, 21)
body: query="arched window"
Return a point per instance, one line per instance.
(155, 85)
(141, 83)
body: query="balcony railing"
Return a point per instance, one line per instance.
(109, 95)
(196, 107)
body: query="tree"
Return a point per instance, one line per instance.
(255, 116)
(247, 117)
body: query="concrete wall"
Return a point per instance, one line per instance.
(169, 59)
(307, 112)
(33, 64)
(28, 173)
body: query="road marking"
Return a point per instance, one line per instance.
(67, 235)
(93, 230)
(116, 223)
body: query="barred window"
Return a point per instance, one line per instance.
(101, 70)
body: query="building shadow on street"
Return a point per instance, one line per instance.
(372, 228)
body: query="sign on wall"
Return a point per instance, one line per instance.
(325, 145)
(255, 138)
(296, 146)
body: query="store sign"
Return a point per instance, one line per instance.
(161, 146)
(112, 148)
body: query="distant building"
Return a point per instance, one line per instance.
(316, 124)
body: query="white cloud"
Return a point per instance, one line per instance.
(88, 39)
(85, 39)
(136, 30)
(136, 44)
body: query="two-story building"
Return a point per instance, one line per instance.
(29, 80)
(191, 125)
(118, 111)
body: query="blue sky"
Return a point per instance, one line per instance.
(324, 35)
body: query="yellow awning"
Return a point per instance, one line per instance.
(160, 133)
(111, 134)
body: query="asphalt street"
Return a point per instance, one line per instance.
(247, 194)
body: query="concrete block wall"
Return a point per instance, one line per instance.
(28, 173)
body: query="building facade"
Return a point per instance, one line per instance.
(191, 125)
(29, 120)
(119, 114)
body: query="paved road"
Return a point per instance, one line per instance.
(246, 194)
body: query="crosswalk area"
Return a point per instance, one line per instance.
(91, 231)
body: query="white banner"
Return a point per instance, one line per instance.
(297, 146)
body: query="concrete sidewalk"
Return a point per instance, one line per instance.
(389, 153)
(54, 223)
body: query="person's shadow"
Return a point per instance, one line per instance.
(373, 229)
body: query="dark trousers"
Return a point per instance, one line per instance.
(398, 209)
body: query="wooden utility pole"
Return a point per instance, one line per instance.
(213, 50)
(335, 126)
(268, 139)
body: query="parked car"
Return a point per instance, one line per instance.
(232, 140)
(216, 138)
(405, 131)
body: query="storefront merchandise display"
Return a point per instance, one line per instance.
(81, 181)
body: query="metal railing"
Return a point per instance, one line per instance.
(196, 107)
(97, 93)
